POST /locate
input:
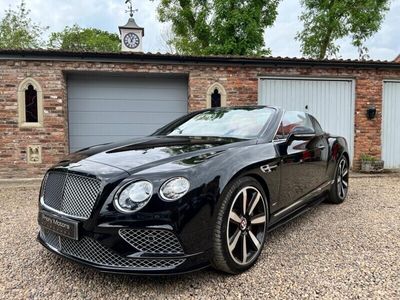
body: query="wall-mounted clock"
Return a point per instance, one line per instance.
(131, 40)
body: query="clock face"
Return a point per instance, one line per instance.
(131, 40)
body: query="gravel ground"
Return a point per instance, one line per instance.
(349, 251)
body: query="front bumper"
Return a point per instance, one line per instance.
(93, 253)
(87, 201)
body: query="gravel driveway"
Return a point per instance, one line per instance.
(345, 251)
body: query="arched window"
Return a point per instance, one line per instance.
(216, 99)
(216, 96)
(30, 103)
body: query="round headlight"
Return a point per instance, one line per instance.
(174, 188)
(134, 196)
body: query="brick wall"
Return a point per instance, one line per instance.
(240, 82)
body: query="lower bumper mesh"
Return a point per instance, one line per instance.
(92, 251)
(152, 240)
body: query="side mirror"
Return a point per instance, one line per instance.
(300, 133)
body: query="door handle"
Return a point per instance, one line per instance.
(322, 147)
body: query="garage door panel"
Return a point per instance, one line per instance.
(119, 105)
(123, 117)
(127, 93)
(126, 81)
(113, 129)
(390, 133)
(108, 108)
(330, 101)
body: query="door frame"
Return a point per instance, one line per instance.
(383, 101)
(325, 78)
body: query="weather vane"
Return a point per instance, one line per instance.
(130, 9)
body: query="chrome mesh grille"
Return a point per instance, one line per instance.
(152, 240)
(50, 238)
(72, 194)
(92, 251)
(53, 189)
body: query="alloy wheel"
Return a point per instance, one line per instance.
(342, 179)
(246, 225)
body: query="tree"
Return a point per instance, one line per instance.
(218, 27)
(76, 38)
(18, 31)
(326, 21)
(166, 38)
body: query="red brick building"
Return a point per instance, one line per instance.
(52, 102)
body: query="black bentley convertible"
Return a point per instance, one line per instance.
(204, 190)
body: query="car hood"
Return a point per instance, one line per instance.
(139, 154)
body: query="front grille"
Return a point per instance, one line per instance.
(153, 241)
(92, 251)
(72, 194)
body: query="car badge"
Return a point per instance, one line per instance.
(268, 168)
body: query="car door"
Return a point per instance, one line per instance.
(300, 157)
(321, 152)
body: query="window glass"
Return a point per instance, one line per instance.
(317, 127)
(224, 122)
(31, 105)
(216, 99)
(291, 120)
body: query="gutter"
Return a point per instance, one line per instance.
(57, 55)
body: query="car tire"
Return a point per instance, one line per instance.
(340, 186)
(240, 227)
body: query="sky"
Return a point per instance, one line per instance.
(109, 14)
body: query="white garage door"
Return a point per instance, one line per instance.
(107, 108)
(331, 101)
(390, 120)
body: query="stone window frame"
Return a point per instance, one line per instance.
(23, 86)
(221, 90)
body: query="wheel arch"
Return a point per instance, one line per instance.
(346, 155)
(255, 176)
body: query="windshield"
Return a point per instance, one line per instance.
(244, 123)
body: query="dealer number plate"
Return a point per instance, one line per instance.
(59, 225)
